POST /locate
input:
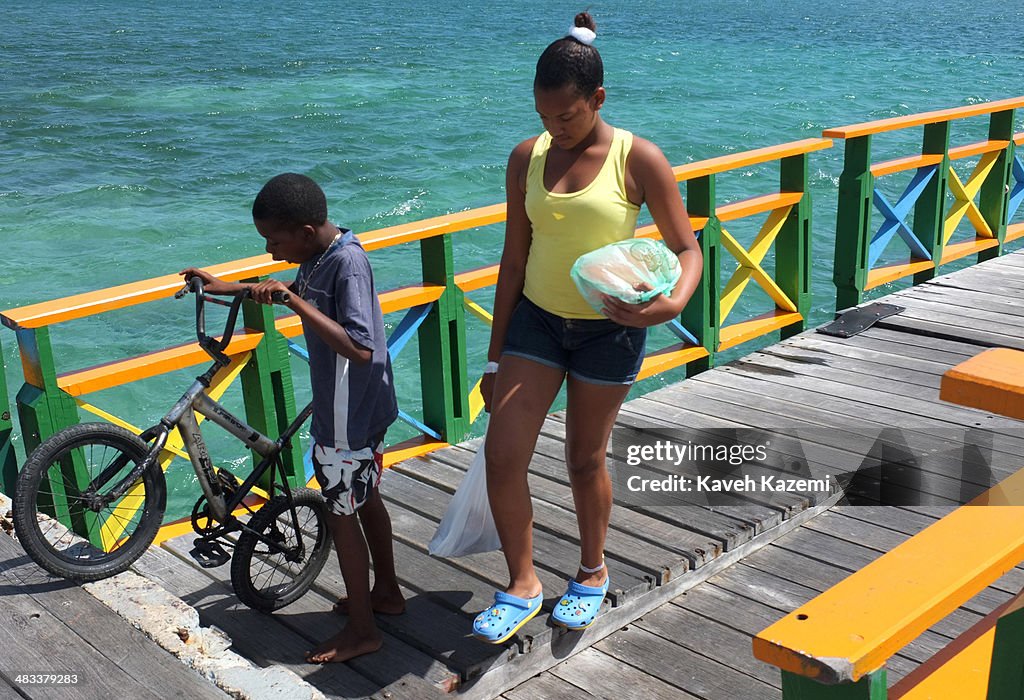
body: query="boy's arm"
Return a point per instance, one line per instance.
(329, 330)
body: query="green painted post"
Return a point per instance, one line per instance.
(442, 341)
(870, 687)
(1006, 676)
(8, 459)
(43, 410)
(267, 388)
(994, 197)
(793, 245)
(701, 313)
(853, 221)
(930, 210)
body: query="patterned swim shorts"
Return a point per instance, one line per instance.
(348, 478)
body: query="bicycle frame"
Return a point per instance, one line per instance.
(182, 416)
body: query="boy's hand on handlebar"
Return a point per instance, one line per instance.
(211, 285)
(271, 292)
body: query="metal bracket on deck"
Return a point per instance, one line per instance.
(850, 322)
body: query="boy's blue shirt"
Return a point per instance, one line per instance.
(352, 402)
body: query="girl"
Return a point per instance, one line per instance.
(576, 187)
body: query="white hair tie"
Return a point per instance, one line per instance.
(583, 35)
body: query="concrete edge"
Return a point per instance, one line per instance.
(175, 626)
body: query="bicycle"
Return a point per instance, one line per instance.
(112, 506)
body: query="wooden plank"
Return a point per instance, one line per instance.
(976, 149)
(746, 159)
(938, 439)
(836, 453)
(879, 392)
(99, 627)
(258, 637)
(886, 342)
(550, 551)
(940, 328)
(897, 165)
(893, 123)
(606, 677)
(995, 320)
(684, 669)
(758, 205)
(740, 332)
(561, 522)
(904, 592)
(751, 509)
(730, 530)
(547, 687)
(945, 453)
(692, 546)
(930, 364)
(711, 637)
(37, 642)
(416, 530)
(968, 299)
(846, 400)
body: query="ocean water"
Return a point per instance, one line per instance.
(135, 133)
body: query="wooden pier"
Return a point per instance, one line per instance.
(692, 581)
(690, 584)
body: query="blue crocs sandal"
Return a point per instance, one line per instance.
(504, 618)
(579, 606)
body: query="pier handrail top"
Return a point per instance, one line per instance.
(941, 115)
(854, 627)
(743, 159)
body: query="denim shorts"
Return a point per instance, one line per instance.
(598, 351)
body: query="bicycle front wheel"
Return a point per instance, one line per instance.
(266, 578)
(59, 516)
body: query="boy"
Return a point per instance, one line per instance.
(353, 392)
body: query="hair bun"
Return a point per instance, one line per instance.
(585, 20)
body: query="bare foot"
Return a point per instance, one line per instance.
(344, 646)
(386, 603)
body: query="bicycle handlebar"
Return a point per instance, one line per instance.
(211, 345)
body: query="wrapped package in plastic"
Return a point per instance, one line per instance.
(634, 271)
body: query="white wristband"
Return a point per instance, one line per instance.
(491, 368)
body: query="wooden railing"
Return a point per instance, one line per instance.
(434, 306)
(990, 198)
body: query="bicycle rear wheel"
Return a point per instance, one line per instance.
(266, 579)
(67, 532)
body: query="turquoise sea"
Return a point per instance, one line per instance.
(135, 133)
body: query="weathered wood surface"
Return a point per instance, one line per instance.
(699, 644)
(49, 626)
(691, 584)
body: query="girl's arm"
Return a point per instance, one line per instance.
(649, 179)
(518, 234)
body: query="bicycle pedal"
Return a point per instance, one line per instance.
(209, 554)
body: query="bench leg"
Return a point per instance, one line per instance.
(870, 687)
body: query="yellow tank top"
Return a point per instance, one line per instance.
(565, 226)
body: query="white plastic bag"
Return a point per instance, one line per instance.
(467, 526)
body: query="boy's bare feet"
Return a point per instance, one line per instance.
(389, 602)
(344, 646)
